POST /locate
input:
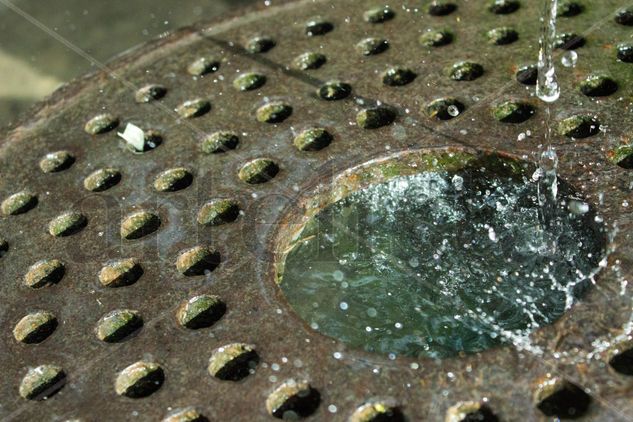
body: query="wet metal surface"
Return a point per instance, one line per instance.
(162, 366)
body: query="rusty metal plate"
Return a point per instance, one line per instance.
(135, 239)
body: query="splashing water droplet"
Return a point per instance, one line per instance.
(569, 59)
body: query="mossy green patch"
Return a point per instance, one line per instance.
(249, 81)
(200, 311)
(101, 123)
(67, 224)
(379, 14)
(274, 112)
(598, 86)
(512, 112)
(117, 325)
(398, 76)
(35, 327)
(465, 71)
(375, 117)
(42, 381)
(578, 126)
(258, 171)
(139, 379)
(219, 211)
(102, 179)
(219, 142)
(334, 90)
(139, 224)
(57, 161)
(203, 65)
(371, 46)
(197, 261)
(173, 179)
(309, 60)
(502, 36)
(119, 273)
(193, 108)
(313, 139)
(436, 38)
(44, 273)
(19, 203)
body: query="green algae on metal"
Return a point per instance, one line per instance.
(139, 379)
(200, 311)
(233, 362)
(379, 14)
(45, 273)
(260, 170)
(102, 179)
(372, 46)
(376, 411)
(578, 126)
(219, 142)
(193, 108)
(375, 117)
(203, 65)
(57, 161)
(273, 112)
(149, 93)
(622, 156)
(334, 90)
(502, 36)
(569, 8)
(117, 325)
(313, 139)
(101, 123)
(309, 60)
(173, 180)
(398, 76)
(67, 224)
(503, 7)
(260, 44)
(441, 7)
(293, 397)
(436, 38)
(35, 327)
(598, 86)
(440, 108)
(42, 382)
(187, 414)
(19, 203)
(512, 112)
(197, 261)
(318, 26)
(469, 411)
(119, 273)
(465, 71)
(218, 212)
(139, 224)
(249, 81)
(527, 75)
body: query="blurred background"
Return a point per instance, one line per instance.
(33, 64)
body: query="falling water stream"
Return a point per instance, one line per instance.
(548, 90)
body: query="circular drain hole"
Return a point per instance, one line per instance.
(452, 258)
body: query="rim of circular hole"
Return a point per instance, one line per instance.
(315, 196)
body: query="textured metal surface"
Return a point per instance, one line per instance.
(256, 316)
